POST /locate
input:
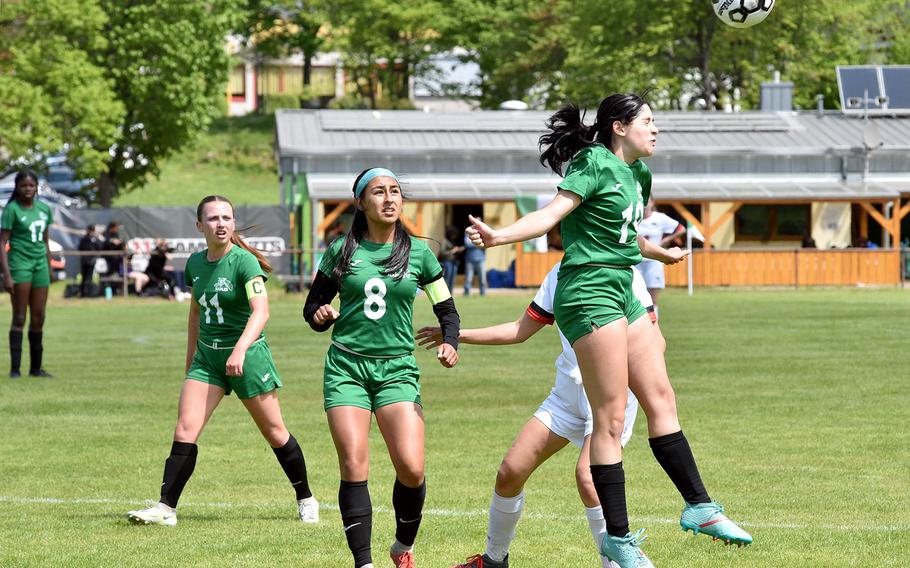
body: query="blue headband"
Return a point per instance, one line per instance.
(372, 173)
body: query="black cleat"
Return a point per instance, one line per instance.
(40, 373)
(14, 374)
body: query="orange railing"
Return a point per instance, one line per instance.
(800, 267)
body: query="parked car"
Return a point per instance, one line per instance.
(62, 177)
(45, 192)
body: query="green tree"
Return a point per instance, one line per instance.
(519, 45)
(53, 96)
(169, 67)
(896, 31)
(579, 50)
(385, 44)
(280, 29)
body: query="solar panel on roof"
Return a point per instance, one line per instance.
(874, 89)
(722, 122)
(897, 86)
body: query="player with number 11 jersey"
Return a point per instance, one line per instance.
(220, 290)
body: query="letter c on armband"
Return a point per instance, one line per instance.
(255, 288)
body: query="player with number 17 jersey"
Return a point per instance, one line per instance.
(615, 194)
(595, 279)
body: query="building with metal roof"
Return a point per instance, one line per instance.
(744, 179)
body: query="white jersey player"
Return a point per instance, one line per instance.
(659, 229)
(563, 417)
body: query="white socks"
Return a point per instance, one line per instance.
(504, 515)
(598, 526)
(398, 548)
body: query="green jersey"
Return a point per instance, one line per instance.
(26, 226)
(603, 228)
(219, 288)
(376, 310)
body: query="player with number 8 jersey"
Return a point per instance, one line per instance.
(376, 310)
(370, 369)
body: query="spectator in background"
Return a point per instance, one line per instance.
(113, 242)
(88, 243)
(475, 260)
(158, 271)
(138, 277)
(808, 241)
(865, 243)
(449, 255)
(660, 229)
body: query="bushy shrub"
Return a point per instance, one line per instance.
(271, 103)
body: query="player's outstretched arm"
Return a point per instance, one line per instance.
(530, 226)
(657, 252)
(509, 333)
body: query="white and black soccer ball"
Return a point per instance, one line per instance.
(742, 13)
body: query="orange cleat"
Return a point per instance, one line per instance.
(482, 561)
(404, 560)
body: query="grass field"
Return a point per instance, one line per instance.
(795, 403)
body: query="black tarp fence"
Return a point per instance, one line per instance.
(268, 230)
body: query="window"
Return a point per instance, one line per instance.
(238, 81)
(773, 222)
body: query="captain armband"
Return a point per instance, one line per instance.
(437, 291)
(255, 288)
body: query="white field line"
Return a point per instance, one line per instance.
(450, 513)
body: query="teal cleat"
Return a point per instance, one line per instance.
(625, 551)
(709, 518)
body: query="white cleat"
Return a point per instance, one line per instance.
(308, 509)
(155, 514)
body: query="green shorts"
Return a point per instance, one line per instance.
(259, 373)
(593, 296)
(34, 270)
(369, 382)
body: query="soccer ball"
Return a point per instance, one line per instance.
(742, 13)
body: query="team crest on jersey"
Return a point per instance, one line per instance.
(223, 285)
(407, 275)
(43, 216)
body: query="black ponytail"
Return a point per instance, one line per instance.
(569, 134)
(21, 176)
(395, 265)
